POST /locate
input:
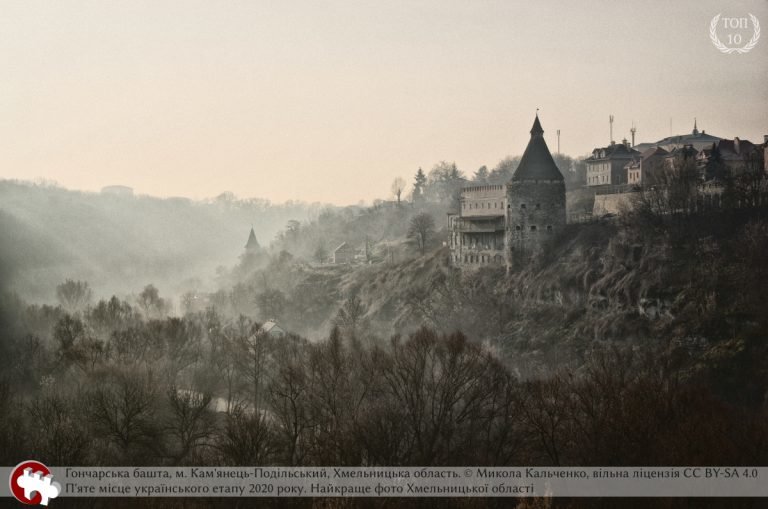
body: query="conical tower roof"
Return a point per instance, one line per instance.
(537, 162)
(252, 242)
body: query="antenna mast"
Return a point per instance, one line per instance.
(633, 131)
(610, 121)
(558, 141)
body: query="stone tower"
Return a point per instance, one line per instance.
(535, 200)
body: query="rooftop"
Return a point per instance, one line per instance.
(537, 162)
(613, 151)
(252, 242)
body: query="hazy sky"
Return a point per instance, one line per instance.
(329, 101)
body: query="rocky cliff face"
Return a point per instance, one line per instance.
(692, 288)
(596, 283)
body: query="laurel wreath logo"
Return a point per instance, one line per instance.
(743, 49)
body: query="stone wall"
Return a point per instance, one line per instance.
(611, 203)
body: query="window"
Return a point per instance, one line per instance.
(518, 228)
(522, 205)
(533, 228)
(549, 227)
(538, 206)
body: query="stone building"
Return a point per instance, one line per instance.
(477, 231)
(641, 169)
(606, 165)
(697, 139)
(499, 224)
(733, 156)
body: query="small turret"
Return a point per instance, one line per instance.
(252, 244)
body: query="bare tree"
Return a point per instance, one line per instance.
(76, 344)
(271, 303)
(151, 303)
(289, 399)
(190, 423)
(74, 295)
(350, 318)
(248, 439)
(446, 387)
(59, 436)
(254, 350)
(225, 358)
(421, 228)
(131, 346)
(321, 254)
(398, 185)
(123, 413)
(544, 408)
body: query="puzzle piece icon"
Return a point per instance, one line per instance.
(34, 481)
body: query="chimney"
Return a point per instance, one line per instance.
(625, 142)
(737, 145)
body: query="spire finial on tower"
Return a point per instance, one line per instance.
(536, 130)
(695, 128)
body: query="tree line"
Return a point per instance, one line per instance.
(111, 386)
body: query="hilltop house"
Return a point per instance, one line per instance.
(343, 254)
(607, 165)
(696, 139)
(271, 328)
(734, 156)
(640, 169)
